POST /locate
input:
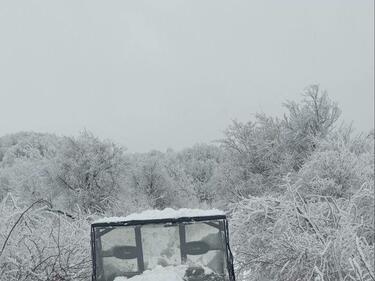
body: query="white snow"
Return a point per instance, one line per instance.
(159, 273)
(167, 213)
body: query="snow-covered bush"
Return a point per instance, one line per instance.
(307, 122)
(29, 179)
(256, 146)
(149, 179)
(27, 146)
(198, 165)
(160, 180)
(39, 243)
(269, 147)
(231, 185)
(90, 170)
(321, 227)
(290, 238)
(339, 166)
(25, 161)
(255, 158)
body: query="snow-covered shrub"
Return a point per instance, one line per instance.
(331, 173)
(231, 185)
(339, 167)
(255, 158)
(25, 161)
(198, 165)
(321, 227)
(269, 148)
(307, 122)
(27, 178)
(38, 243)
(149, 179)
(292, 238)
(27, 146)
(90, 170)
(256, 146)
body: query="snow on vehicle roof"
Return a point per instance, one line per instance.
(167, 213)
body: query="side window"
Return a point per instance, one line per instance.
(212, 238)
(118, 252)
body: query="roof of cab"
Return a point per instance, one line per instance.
(165, 214)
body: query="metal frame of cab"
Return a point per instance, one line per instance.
(179, 221)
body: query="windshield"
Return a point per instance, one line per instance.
(130, 250)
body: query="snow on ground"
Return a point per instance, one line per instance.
(167, 213)
(159, 273)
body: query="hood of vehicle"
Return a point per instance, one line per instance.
(159, 273)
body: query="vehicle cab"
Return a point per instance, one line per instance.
(191, 245)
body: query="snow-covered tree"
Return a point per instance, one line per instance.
(307, 122)
(89, 169)
(150, 180)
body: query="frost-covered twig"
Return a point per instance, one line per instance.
(18, 220)
(363, 259)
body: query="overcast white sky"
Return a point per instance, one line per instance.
(159, 74)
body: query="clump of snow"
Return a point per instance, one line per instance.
(159, 273)
(167, 213)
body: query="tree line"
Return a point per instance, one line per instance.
(299, 192)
